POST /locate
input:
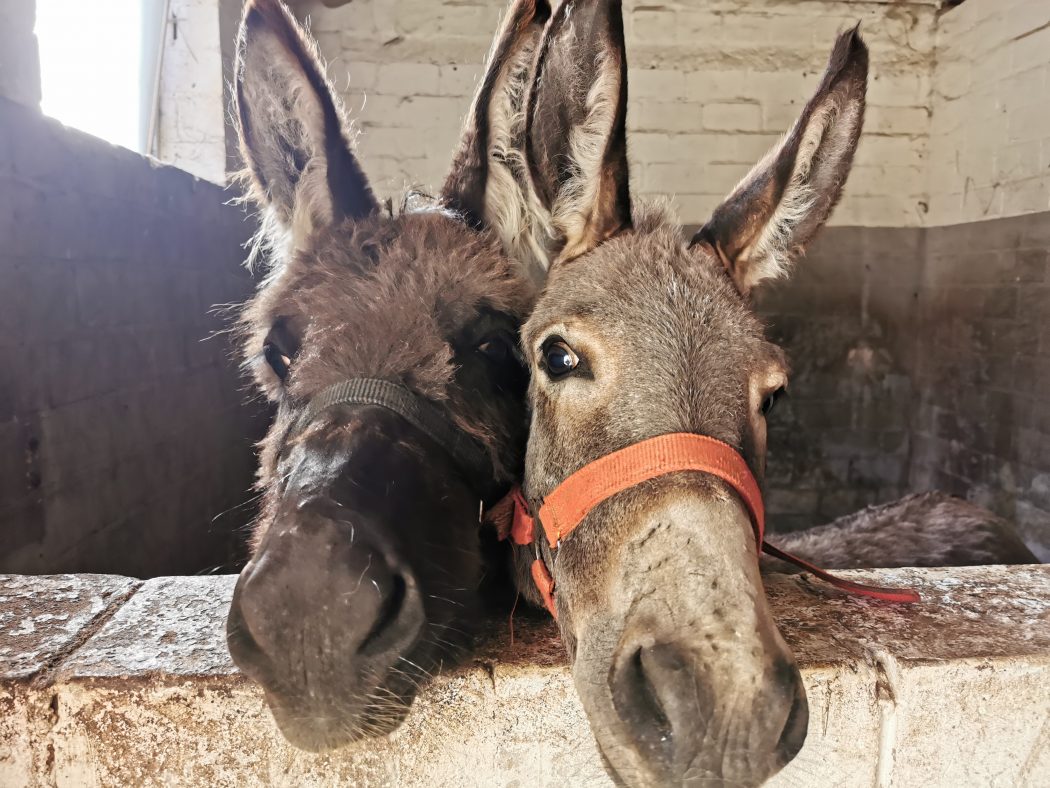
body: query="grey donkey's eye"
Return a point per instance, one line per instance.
(771, 400)
(558, 359)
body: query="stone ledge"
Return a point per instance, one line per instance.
(954, 691)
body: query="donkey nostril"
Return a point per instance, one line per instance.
(387, 615)
(794, 734)
(245, 650)
(638, 704)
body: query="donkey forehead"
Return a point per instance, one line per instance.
(646, 292)
(420, 271)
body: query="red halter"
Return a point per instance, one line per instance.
(567, 506)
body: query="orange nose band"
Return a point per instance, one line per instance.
(570, 502)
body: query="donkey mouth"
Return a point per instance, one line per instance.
(323, 730)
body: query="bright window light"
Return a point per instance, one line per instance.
(91, 67)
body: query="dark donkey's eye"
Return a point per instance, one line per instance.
(280, 347)
(558, 358)
(771, 399)
(278, 362)
(499, 347)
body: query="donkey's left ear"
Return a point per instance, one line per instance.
(488, 182)
(576, 135)
(766, 222)
(291, 128)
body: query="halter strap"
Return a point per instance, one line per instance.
(570, 502)
(473, 459)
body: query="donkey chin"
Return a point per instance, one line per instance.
(677, 661)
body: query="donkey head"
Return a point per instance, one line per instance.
(366, 559)
(677, 660)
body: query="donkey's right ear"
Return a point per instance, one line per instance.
(576, 135)
(291, 128)
(766, 222)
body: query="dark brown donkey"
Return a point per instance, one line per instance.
(680, 667)
(389, 345)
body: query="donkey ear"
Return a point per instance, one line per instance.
(776, 210)
(495, 123)
(488, 180)
(576, 137)
(290, 126)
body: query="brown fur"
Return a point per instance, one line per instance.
(367, 563)
(925, 529)
(390, 298)
(680, 667)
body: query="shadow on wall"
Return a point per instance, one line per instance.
(919, 356)
(841, 439)
(125, 446)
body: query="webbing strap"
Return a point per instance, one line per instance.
(570, 502)
(473, 458)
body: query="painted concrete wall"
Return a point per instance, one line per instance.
(122, 430)
(19, 55)
(191, 127)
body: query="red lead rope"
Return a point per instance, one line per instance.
(567, 506)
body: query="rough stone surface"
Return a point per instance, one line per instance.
(42, 618)
(954, 691)
(180, 636)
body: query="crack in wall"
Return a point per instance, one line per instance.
(886, 684)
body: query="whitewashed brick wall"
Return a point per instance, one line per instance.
(990, 131)
(713, 84)
(190, 128)
(958, 125)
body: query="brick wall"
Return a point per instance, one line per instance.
(841, 439)
(957, 127)
(921, 360)
(713, 85)
(990, 130)
(122, 434)
(982, 425)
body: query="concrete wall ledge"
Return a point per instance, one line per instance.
(110, 681)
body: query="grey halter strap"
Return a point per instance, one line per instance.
(473, 459)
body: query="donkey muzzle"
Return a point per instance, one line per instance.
(679, 664)
(319, 618)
